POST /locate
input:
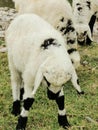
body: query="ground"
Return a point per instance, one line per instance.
(82, 110)
(43, 115)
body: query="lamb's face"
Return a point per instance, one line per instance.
(55, 80)
(56, 73)
(81, 36)
(83, 31)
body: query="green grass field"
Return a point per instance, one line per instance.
(43, 115)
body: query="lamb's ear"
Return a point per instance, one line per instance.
(38, 80)
(89, 34)
(39, 77)
(89, 37)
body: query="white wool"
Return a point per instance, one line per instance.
(53, 11)
(24, 37)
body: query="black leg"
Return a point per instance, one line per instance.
(51, 95)
(63, 121)
(16, 108)
(22, 120)
(21, 93)
(62, 118)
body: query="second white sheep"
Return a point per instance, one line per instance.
(59, 15)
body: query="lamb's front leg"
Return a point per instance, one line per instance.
(16, 84)
(28, 97)
(27, 103)
(58, 96)
(62, 117)
(22, 120)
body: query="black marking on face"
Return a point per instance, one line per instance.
(60, 102)
(71, 41)
(88, 4)
(47, 81)
(16, 108)
(63, 121)
(79, 8)
(81, 42)
(51, 95)
(49, 42)
(70, 51)
(22, 121)
(85, 32)
(62, 20)
(28, 103)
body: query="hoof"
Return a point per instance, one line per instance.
(16, 108)
(20, 129)
(66, 126)
(80, 93)
(63, 122)
(22, 121)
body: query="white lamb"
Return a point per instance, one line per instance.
(84, 16)
(57, 13)
(36, 52)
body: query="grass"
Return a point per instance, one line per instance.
(43, 115)
(6, 3)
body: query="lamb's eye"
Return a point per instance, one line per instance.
(85, 32)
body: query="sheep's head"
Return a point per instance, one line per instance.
(83, 34)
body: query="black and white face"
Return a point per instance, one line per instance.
(83, 32)
(82, 36)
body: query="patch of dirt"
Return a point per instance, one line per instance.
(6, 16)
